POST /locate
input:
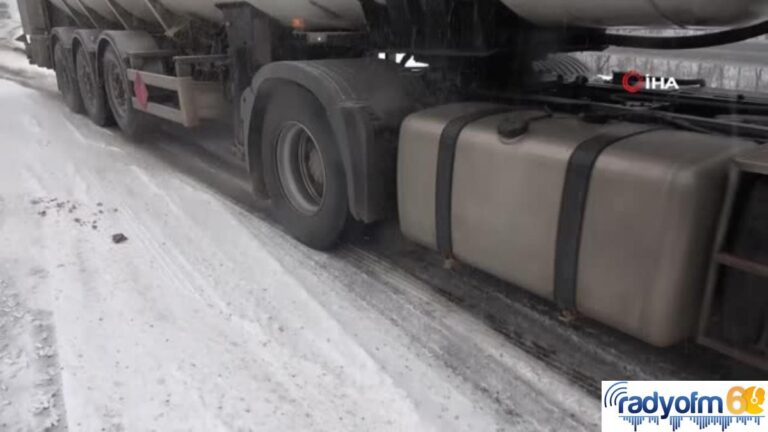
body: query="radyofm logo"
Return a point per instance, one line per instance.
(684, 405)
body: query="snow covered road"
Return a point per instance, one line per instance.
(208, 317)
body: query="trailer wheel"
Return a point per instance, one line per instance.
(120, 95)
(91, 90)
(303, 171)
(65, 79)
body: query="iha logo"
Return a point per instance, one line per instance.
(684, 406)
(633, 82)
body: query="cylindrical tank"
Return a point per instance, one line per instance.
(348, 14)
(100, 7)
(653, 13)
(316, 15)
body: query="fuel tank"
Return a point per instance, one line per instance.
(647, 223)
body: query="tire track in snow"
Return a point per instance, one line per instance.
(526, 393)
(262, 234)
(30, 383)
(30, 372)
(36, 344)
(146, 232)
(81, 184)
(274, 323)
(200, 244)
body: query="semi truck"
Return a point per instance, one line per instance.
(637, 205)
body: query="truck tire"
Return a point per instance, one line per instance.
(303, 171)
(91, 90)
(120, 95)
(66, 80)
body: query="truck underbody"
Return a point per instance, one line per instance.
(642, 209)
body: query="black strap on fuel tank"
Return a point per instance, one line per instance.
(446, 156)
(572, 207)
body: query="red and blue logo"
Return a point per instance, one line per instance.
(683, 406)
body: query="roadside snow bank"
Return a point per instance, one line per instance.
(10, 23)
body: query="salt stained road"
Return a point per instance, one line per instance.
(208, 317)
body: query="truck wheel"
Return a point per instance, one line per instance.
(66, 80)
(92, 92)
(303, 171)
(120, 95)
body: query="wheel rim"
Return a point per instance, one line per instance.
(118, 91)
(301, 168)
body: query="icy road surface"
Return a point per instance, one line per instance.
(208, 317)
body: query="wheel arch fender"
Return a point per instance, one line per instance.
(125, 43)
(365, 100)
(65, 37)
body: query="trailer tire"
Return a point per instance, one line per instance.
(66, 80)
(303, 170)
(92, 91)
(120, 95)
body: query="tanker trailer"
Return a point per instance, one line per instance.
(637, 208)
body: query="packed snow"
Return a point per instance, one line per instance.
(204, 316)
